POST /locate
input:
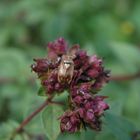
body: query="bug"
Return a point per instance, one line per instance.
(66, 67)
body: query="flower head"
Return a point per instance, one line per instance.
(57, 48)
(72, 69)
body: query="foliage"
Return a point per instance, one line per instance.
(50, 117)
(110, 28)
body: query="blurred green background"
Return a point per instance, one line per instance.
(109, 28)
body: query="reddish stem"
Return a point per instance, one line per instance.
(31, 116)
(125, 77)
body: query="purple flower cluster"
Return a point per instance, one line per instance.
(82, 75)
(86, 107)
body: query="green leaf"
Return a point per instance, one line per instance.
(128, 56)
(51, 122)
(119, 127)
(41, 91)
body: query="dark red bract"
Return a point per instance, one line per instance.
(83, 77)
(70, 122)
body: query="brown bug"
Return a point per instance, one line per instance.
(66, 67)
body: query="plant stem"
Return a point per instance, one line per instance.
(125, 77)
(28, 119)
(31, 116)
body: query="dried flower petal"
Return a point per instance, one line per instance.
(70, 122)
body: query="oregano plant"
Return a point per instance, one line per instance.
(82, 76)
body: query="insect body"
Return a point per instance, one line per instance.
(66, 69)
